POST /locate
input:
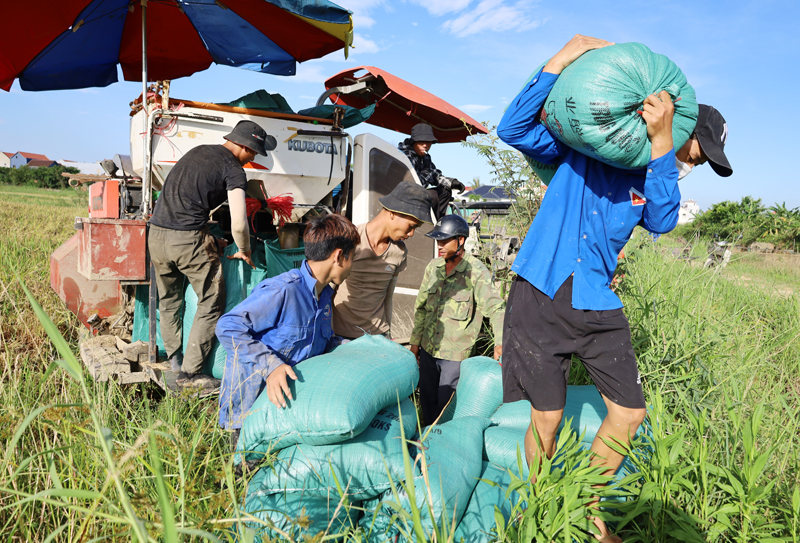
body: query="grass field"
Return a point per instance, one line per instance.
(719, 357)
(775, 274)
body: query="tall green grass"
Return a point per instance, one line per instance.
(85, 461)
(721, 367)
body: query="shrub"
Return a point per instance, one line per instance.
(750, 219)
(50, 178)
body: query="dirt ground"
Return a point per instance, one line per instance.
(779, 273)
(776, 274)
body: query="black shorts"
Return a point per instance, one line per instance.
(540, 336)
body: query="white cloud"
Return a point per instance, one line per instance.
(308, 72)
(364, 45)
(494, 15)
(414, 24)
(362, 21)
(361, 11)
(474, 108)
(441, 7)
(89, 91)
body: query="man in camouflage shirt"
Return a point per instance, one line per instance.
(455, 295)
(416, 148)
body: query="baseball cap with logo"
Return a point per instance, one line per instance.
(249, 134)
(712, 133)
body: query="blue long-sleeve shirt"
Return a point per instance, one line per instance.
(281, 322)
(589, 210)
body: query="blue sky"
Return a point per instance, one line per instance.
(741, 57)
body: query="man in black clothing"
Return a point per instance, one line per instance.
(440, 187)
(181, 246)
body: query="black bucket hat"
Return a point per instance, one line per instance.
(712, 133)
(423, 132)
(409, 199)
(249, 134)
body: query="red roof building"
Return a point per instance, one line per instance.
(33, 156)
(37, 163)
(23, 159)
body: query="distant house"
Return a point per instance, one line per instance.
(87, 168)
(688, 211)
(23, 159)
(5, 159)
(38, 163)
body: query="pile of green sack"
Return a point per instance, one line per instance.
(338, 451)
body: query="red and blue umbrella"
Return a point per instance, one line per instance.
(71, 44)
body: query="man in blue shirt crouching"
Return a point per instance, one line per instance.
(285, 320)
(561, 304)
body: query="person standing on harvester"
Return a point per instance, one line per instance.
(363, 303)
(455, 295)
(181, 246)
(417, 149)
(561, 304)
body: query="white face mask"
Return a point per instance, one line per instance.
(683, 169)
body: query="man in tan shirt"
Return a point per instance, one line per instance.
(363, 303)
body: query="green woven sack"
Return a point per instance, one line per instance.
(363, 464)
(336, 396)
(141, 324)
(593, 105)
(452, 454)
(545, 172)
(283, 511)
(240, 280)
(480, 388)
(585, 407)
(478, 520)
(479, 392)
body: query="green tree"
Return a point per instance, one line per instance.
(510, 170)
(751, 219)
(37, 177)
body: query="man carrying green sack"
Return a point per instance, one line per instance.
(285, 320)
(560, 304)
(455, 295)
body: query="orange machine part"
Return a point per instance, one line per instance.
(104, 200)
(83, 297)
(112, 249)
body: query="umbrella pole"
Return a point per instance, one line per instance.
(147, 195)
